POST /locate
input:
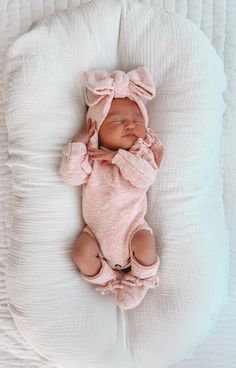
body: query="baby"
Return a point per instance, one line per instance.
(116, 159)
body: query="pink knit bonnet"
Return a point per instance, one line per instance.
(102, 87)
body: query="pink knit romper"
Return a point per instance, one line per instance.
(114, 196)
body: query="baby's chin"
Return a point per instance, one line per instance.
(124, 142)
(127, 142)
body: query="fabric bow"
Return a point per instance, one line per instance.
(111, 286)
(151, 282)
(118, 84)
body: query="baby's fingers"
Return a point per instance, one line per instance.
(96, 152)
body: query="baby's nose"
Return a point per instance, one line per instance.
(129, 123)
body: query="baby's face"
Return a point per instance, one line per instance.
(124, 118)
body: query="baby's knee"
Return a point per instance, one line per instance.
(143, 242)
(85, 248)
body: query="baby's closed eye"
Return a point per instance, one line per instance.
(120, 122)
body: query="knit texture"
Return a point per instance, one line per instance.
(101, 87)
(55, 310)
(114, 207)
(136, 284)
(106, 277)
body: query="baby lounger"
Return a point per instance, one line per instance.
(62, 317)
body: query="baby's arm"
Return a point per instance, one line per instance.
(139, 171)
(75, 166)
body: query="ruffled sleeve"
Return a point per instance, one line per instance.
(141, 163)
(157, 147)
(151, 142)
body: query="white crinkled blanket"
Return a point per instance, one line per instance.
(61, 316)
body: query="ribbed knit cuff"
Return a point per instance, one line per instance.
(142, 271)
(75, 148)
(105, 274)
(119, 159)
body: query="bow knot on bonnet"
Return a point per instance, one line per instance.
(102, 87)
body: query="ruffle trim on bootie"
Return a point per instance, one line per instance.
(131, 280)
(110, 287)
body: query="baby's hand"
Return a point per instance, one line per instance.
(104, 154)
(86, 133)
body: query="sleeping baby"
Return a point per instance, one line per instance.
(115, 159)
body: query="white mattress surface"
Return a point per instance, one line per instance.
(216, 21)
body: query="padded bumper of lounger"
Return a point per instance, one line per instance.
(61, 315)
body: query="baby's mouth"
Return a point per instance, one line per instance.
(129, 135)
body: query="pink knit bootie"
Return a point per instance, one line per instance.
(136, 283)
(107, 278)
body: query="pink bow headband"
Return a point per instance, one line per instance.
(102, 87)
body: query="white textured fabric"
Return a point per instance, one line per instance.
(52, 306)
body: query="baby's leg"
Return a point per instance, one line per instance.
(143, 246)
(85, 254)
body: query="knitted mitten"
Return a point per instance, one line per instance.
(107, 278)
(136, 283)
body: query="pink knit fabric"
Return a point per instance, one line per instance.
(114, 199)
(102, 87)
(108, 278)
(136, 284)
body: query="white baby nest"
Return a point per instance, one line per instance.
(62, 317)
